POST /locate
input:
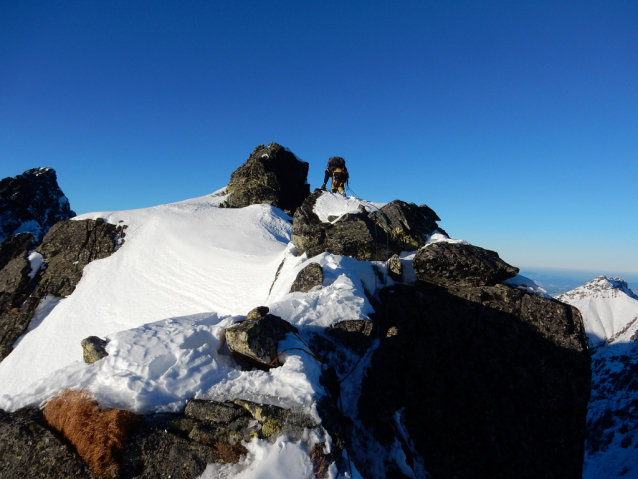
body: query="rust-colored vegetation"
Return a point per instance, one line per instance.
(231, 453)
(97, 434)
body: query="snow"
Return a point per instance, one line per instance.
(332, 204)
(36, 261)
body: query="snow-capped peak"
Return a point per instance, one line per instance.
(600, 287)
(609, 308)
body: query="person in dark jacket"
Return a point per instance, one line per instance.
(338, 172)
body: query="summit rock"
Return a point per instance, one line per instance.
(32, 203)
(271, 175)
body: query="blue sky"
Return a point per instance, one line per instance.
(516, 121)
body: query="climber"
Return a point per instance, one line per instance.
(338, 172)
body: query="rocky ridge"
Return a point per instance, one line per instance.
(600, 287)
(467, 377)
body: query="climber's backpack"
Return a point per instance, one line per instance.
(340, 174)
(336, 162)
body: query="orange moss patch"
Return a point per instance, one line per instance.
(97, 434)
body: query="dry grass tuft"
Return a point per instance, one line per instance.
(320, 463)
(231, 453)
(97, 434)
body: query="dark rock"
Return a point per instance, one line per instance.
(93, 349)
(377, 236)
(492, 382)
(271, 175)
(161, 448)
(407, 224)
(395, 268)
(258, 312)
(257, 339)
(67, 248)
(32, 202)
(309, 277)
(355, 334)
(14, 270)
(29, 448)
(450, 264)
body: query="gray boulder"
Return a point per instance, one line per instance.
(271, 175)
(32, 202)
(366, 236)
(257, 339)
(450, 264)
(309, 277)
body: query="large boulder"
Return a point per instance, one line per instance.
(32, 202)
(365, 235)
(272, 175)
(256, 339)
(66, 249)
(453, 264)
(485, 381)
(309, 277)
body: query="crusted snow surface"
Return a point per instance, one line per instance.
(609, 308)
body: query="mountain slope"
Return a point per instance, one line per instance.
(610, 312)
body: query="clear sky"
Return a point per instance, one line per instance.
(516, 121)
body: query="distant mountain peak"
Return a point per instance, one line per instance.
(600, 287)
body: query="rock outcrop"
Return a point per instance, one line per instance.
(366, 236)
(66, 249)
(450, 264)
(488, 382)
(32, 203)
(272, 175)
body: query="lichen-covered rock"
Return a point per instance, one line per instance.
(69, 246)
(257, 339)
(276, 421)
(407, 224)
(32, 202)
(272, 175)
(491, 382)
(451, 264)
(309, 277)
(93, 349)
(366, 236)
(395, 268)
(29, 448)
(66, 249)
